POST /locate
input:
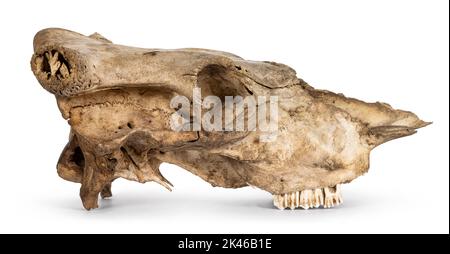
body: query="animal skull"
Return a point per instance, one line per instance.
(117, 100)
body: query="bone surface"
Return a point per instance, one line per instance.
(117, 101)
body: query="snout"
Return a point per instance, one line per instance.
(67, 64)
(58, 64)
(61, 71)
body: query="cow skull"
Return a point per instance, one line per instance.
(121, 103)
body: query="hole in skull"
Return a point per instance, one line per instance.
(111, 163)
(54, 64)
(130, 125)
(78, 157)
(45, 67)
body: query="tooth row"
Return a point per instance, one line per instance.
(326, 197)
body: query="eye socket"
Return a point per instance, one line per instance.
(219, 81)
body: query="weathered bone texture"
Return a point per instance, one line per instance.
(116, 100)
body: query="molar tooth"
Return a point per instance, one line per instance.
(340, 200)
(328, 198)
(292, 204)
(304, 199)
(278, 201)
(285, 204)
(311, 198)
(318, 195)
(332, 196)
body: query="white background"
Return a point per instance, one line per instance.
(391, 51)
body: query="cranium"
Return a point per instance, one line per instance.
(117, 100)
